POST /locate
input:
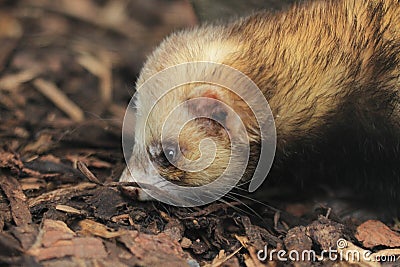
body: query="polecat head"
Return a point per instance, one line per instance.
(194, 120)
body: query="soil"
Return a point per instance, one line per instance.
(67, 73)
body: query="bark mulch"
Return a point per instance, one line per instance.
(67, 72)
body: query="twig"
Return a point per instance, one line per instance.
(12, 81)
(102, 69)
(50, 90)
(89, 175)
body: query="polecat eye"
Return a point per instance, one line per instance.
(170, 154)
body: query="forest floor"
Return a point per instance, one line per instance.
(67, 73)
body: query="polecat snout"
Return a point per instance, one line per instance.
(330, 72)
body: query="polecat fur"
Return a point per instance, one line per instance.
(330, 72)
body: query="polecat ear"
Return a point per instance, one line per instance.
(220, 105)
(209, 104)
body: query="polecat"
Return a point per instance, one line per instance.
(330, 72)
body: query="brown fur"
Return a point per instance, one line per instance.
(327, 69)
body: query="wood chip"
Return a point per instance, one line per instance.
(26, 234)
(122, 217)
(56, 194)
(154, 250)
(10, 160)
(32, 183)
(81, 247)
(89, 227)
(325, 232)
(53, 231)
(69, 209)
(18, 202)
(58, 241)
(53, 93)
(375, 233)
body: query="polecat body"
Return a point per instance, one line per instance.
(330, 72)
